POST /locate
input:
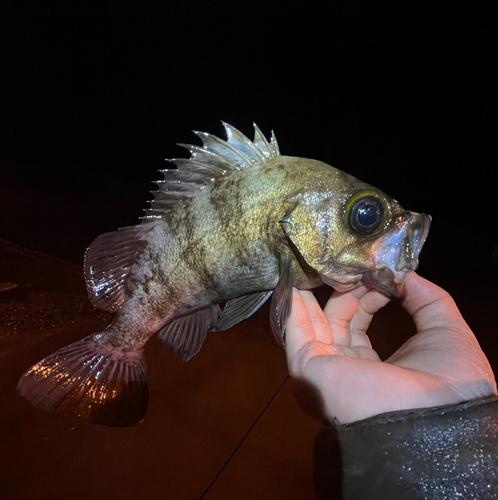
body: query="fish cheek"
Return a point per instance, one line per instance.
(327, 245)
(334, 254)
(356, 256)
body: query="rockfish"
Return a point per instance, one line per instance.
(235, 222)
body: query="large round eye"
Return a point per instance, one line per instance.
(365, 213)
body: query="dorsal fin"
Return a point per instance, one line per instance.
(216, 158)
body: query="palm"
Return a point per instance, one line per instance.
(330, 351)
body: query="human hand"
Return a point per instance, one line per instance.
(329, 352)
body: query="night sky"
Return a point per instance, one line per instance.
(91, 103)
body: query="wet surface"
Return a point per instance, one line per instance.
(224, 425)
(200, 414)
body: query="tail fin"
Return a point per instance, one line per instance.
(90, 380)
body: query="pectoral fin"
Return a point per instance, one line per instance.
(185, 335)
(239, 309)
(281, 301)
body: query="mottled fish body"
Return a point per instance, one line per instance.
(236, 222)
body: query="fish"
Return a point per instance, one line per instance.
(234, 224)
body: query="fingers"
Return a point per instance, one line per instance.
(306, 322)
(430, 306)
(321, 327)
(307, 332)
(299, 330)
(350, 314)
(339, 311)
(368, 305)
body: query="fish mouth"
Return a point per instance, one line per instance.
(398, 253)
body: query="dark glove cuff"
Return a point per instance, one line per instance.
(443, 452)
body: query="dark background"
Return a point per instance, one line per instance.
(91, 102)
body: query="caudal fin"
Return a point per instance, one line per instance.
(90, 380)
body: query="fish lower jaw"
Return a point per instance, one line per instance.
(386, 282)
(398, 276)
(343, 283)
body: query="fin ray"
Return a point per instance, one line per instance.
(108, 261)
(185, 335)
(236, 156)
(240, 142)
(239, 309)
(261, 143)
(212, 161)
(281, 301)
(274, 145)
(206, 171)
(89, 380)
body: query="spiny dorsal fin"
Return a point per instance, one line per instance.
(213, 160)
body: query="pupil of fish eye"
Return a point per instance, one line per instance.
(368, 215)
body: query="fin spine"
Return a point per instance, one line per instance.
(213, 160)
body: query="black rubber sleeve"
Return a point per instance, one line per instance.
(446, 452)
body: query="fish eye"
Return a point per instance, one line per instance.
(365, 213)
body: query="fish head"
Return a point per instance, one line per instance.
(384, 244)
(358, 235)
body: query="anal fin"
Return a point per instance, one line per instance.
(281, 301)
(185, 335)
(240, 308)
